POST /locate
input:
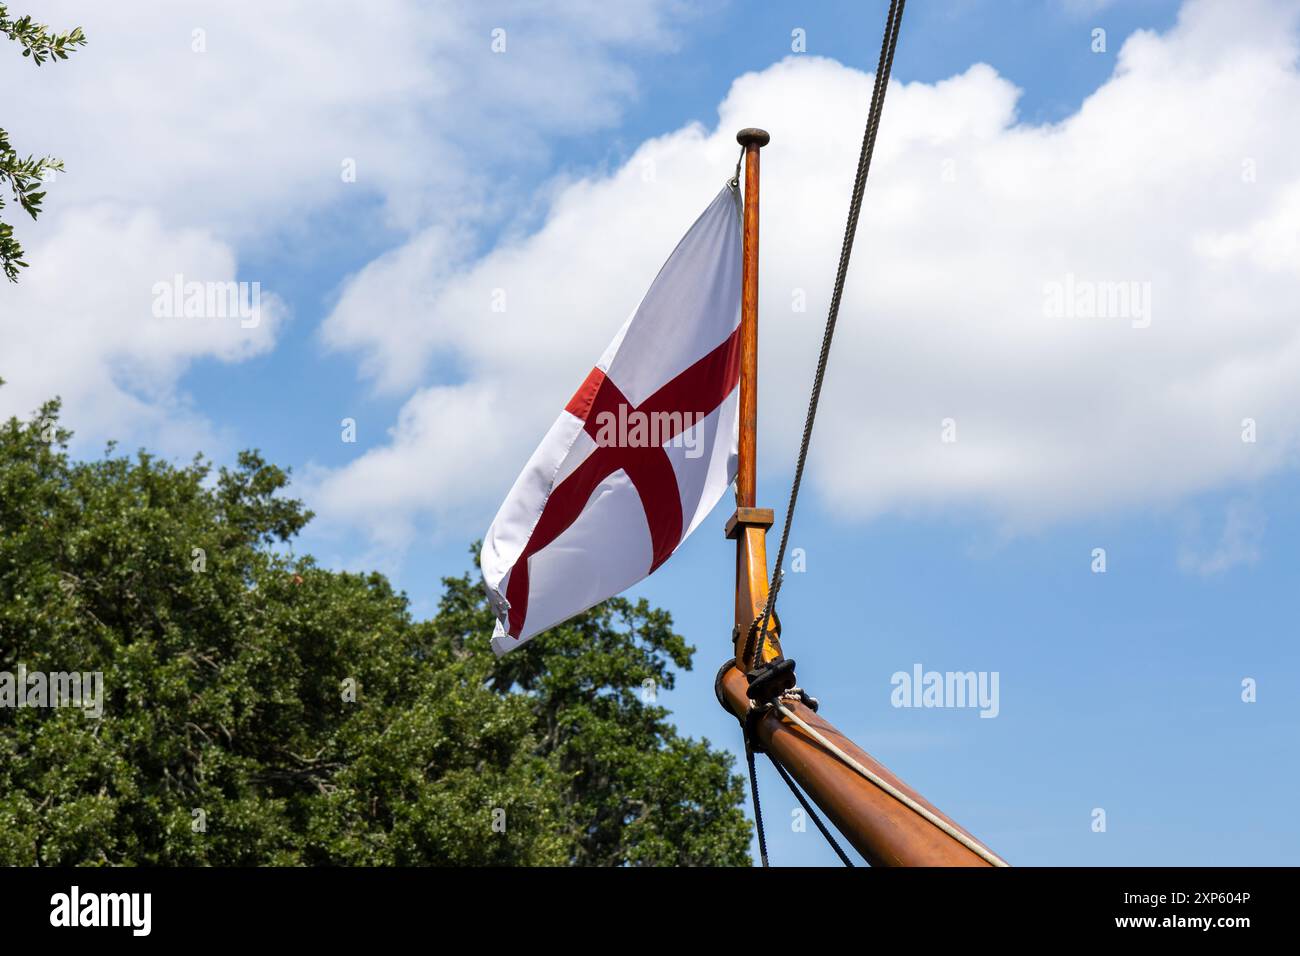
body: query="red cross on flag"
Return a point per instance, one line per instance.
(641, 453)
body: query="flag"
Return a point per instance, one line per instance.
(640, 454)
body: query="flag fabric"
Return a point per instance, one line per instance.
(640, 454)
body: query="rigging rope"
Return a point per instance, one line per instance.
(758, 810)
(883, 68)
(888, 44)
(892, 23)
(803, 801)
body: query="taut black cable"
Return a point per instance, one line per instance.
(811, 812)
(892, 24)
(758, 810)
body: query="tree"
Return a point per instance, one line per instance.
(24, 177)
(259, 709)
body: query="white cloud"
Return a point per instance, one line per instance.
(445, 439)
(255, 128)
(246, 138)
(944, 313)
(81, 324)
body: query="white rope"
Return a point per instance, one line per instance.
(978, 849)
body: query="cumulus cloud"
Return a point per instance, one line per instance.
(446, 439)
(1097, 304)
(209, 128)
(240, 115)
(90, 322)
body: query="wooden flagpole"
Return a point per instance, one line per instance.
(885, 830)
(746, 482)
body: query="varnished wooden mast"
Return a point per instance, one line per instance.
(884, 830)
(746, 479)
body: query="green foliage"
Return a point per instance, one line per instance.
(38, 43)
(24, 177)
(226, 671)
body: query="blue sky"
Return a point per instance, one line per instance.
(1119, 690)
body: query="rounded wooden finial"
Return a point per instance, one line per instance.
(749, 135)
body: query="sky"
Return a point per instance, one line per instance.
(1068, 343)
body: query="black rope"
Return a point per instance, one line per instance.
(811, 812)
(893, 21)
(758, 811)
(892, 24)
(803, 801)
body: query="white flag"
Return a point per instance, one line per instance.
(641, 453)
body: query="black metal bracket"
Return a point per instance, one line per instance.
(770, 680)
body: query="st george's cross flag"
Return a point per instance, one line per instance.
(640, 454)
